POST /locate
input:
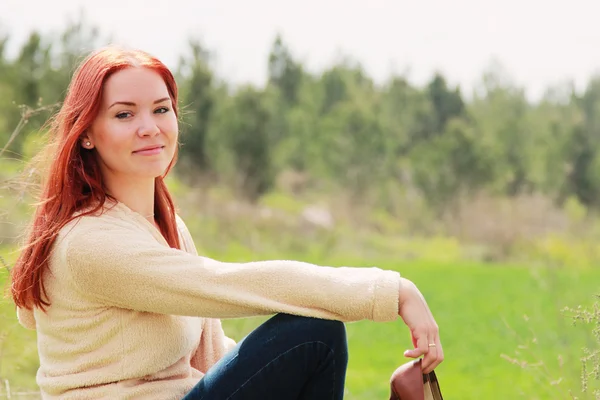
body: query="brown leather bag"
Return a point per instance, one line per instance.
(409, 383)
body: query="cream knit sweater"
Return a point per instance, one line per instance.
(132, 318)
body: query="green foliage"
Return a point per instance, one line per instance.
(342, 129)
(563, 250)
(198, 101)
(446, 104)
(462, 164)
(352, 148)
(38, 78)
(584, 177)
(284, 72)
(245, 136)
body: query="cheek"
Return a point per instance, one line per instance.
(171, 130)
(112, 141)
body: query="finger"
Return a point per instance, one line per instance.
(430, 357)
(420, 349)
(414, 341)
(439, 355)
(440, 352)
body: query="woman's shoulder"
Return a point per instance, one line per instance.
(114, 227)
(86, 240)
(87, 228)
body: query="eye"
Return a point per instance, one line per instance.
(123, 115)
(162, 110)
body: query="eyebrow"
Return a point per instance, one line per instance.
(131, 104)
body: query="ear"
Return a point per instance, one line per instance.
(86, 142)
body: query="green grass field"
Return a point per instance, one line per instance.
(502, 326)
(484, 312)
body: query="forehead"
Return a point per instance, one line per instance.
(134, 85)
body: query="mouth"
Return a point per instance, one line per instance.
(148, 151)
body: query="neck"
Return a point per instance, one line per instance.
(135, 193)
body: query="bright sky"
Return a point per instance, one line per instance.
(539, 42)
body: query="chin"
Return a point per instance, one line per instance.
(150, 173)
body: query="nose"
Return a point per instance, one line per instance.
(148, 126)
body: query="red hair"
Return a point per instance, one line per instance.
(73, 180)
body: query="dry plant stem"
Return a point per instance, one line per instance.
(4, 263)
(25, 115)
(591, 358)
(12, 137)
(546, 376)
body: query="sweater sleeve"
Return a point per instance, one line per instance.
(26, 318)
(120, 267)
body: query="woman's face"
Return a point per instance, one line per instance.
(135, 131)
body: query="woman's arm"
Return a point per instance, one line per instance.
(26, 318)
(119, 267)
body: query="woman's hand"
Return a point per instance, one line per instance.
(415, 313)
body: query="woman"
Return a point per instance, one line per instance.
(123, 305)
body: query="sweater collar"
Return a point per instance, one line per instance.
(124, 211)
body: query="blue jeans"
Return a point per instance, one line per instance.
(288, 357)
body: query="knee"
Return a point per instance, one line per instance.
(328, 331)
(327, 337)
(331, 334)
(335, 330)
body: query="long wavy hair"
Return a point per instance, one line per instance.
(72, 181)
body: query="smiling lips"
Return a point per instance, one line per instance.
(150, 150)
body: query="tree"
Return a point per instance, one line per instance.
(197, 108)
(284, 72)
(451, 165)
(70, 46)
(584, 155)
(28, 73)
(446, 103)
(352, 150)
(245, 137)
(501, 115)
(335, 88)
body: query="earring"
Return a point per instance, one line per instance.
(88, 143)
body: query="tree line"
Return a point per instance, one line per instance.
(341, 130)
